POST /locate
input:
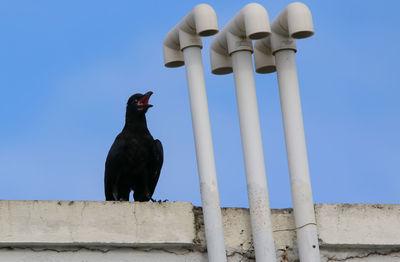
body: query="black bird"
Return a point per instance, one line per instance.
(135, 158)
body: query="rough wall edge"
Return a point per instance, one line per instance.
(96, 245)
(96, 223)
(368, 226)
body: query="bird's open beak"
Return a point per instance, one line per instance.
(143, 103)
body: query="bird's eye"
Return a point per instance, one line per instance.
(136, 100)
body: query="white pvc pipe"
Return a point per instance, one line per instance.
(303, 205)
(251, 22)
(200, 21)
(253, 156)
(205, 154)
(294, 22)
(182, 45)
(231, 52)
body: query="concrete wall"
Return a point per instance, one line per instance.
(117, 231)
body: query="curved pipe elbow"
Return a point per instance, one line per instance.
(220, 64)
(264, 61)
(252, 22)
(255, 21)
(294, 21)
(172, 57)
(205, 20)
(200, 21)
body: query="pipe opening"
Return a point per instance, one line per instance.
(266, 69)
(208, 32)
(302, 34)
(174, 64)
(259, 35)
(222, 71)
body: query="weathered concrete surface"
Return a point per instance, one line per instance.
(122, 231)
(68, 223)
(360, 255)
(237, 230)
(358, 224)
(114, 255)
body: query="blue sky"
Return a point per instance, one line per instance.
(67, 69)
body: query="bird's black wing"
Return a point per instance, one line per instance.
(155, 165)
(114, 168)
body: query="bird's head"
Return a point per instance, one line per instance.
(138, 103)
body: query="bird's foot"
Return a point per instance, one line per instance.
(158, 201)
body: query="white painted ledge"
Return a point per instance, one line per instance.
(179, 224)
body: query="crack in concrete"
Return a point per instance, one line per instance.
(244, 254)
(61, 250)
(294, 229)
(365, 255)
(176, 251)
